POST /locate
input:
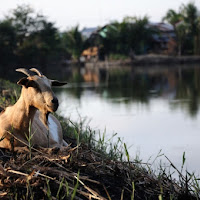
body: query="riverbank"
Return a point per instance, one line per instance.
(80, 172)
(87, 169)
(147, 60)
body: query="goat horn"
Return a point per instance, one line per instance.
(25, 71)
(39, 73)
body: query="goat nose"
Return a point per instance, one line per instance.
(54, 101)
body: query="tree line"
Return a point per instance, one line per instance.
(136, 35)
(29, 38)
(26, 37)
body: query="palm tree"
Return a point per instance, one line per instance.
(176, 20)
(173, 17)
(181, 33)
(186, 26)
(197, 43)
(73, 41)
(190, 16)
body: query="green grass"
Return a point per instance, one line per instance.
(118, 57)
(118, 151)
(13, 91)
(112, 148)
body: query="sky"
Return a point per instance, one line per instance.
(93, 13)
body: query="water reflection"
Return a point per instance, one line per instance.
(151, 108)
(178, 84)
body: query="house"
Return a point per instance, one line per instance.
(90, 53)
(87, 32)
(163, 38)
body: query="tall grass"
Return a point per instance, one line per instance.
(108, 147)
(115, 149)
(29, 137)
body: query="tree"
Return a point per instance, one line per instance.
(181, 32)
(139, 34)
(185, 23)
(176, 20)
(7, 42)
(73, 42)
(173, 17)
(23, 21)
(38, 41)
(190, 14)
(197, 43)
(131, 35)
(41, 47)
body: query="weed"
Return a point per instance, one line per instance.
(49, 196)
(75, 187)
(133, 191)
(122, 194)
(59, 189)
(29, 190)
(29, 139)
(127, 153)
(183, 162)
(67, 188)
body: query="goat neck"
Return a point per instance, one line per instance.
(22, 114)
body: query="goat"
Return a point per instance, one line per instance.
(34, 106)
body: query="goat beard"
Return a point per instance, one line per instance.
(44, 118)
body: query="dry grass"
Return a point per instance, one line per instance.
(66, 174)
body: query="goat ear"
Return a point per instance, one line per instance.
(32, 83)
(27, 83)
(23, 81)
(57, 83)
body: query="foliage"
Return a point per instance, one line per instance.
(186, 25)
(7, 41)
(29, 38)
(117, 57)
(172, 17)
(73, 42)
(130, 36)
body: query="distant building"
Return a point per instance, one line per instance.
(94, 52)
(164, 38)
(90, 53)
(87, 32)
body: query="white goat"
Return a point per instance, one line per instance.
(35, 104)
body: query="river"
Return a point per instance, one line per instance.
(152, 109)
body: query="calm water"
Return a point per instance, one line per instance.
(151, 109)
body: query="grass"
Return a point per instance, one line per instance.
(29, 137)
(82, 133)
(9, 92)
(118, 152)
(105, 170)
(118, 57)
